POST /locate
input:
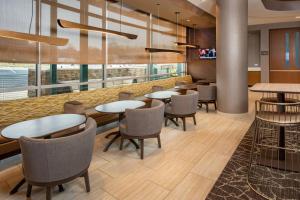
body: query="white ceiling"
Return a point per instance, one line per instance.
(257, 14)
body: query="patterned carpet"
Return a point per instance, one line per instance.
(232, 183)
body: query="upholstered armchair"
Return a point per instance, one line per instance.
(207, 95)
(157, 88)
(182, 106)
(142, 124)
(51, 162)
(74, 107)
(126, 95)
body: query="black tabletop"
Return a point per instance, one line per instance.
(43, 127)
(120, 106)
(161, 95)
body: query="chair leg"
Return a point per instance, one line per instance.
(87, 182)
(121, 143)
(61, 188)
(29, 187)
(158, 140)
(48, 193)
(184, 124)
(215, 103)
(166, 121)
(206, 107)
(142, 148)
(194, 118)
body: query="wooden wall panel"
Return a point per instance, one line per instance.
(253, 77)
(285, 76)
(280, 71)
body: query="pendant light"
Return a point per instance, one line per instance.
(73, 25)
(189, 44)
(31, 37)
(158, 50)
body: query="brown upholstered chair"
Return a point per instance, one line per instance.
(56, 161)
(8, 147)
(157, 88)
(126, 96)
(182, 106)
(74, 107)
(207, 95)
(178, 83)
(142, 124)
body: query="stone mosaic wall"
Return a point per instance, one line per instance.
(25, 109)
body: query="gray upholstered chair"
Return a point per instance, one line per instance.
(51, 162)
(207, 95)
(178, 83)
(157, 88)
(126, 95)
(71, 107)
(182, 106)
(142, 124)
(74, 107)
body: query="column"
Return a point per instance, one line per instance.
(232, 69)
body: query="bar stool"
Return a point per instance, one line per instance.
(274, 167)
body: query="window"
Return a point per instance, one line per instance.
(15, 79)
(90, 60)
(160, 71)
(133, 73)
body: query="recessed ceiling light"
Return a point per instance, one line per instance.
(297, 17)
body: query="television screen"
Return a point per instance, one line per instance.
(206, 53)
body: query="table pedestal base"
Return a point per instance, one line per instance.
(116, 136)
(272, 160)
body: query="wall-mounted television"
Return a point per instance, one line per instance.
(207, 53)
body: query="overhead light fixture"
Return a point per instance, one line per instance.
(35, 38)
(188, 44)
(297, 17)
(281, 5)
(73, 25)
(158, 50)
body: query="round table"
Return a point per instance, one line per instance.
(119, 107)
(41, 128)
(161, 95)
(205, 82)
(186, 87)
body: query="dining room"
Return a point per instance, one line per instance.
(168, 99)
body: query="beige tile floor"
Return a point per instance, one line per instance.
(186, 167)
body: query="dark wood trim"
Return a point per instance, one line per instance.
(141, 141)
(200, 102)
(169, 116)
(49, 185)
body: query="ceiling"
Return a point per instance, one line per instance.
(257, 14)
(189, 13)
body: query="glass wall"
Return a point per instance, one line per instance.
(89, 60)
